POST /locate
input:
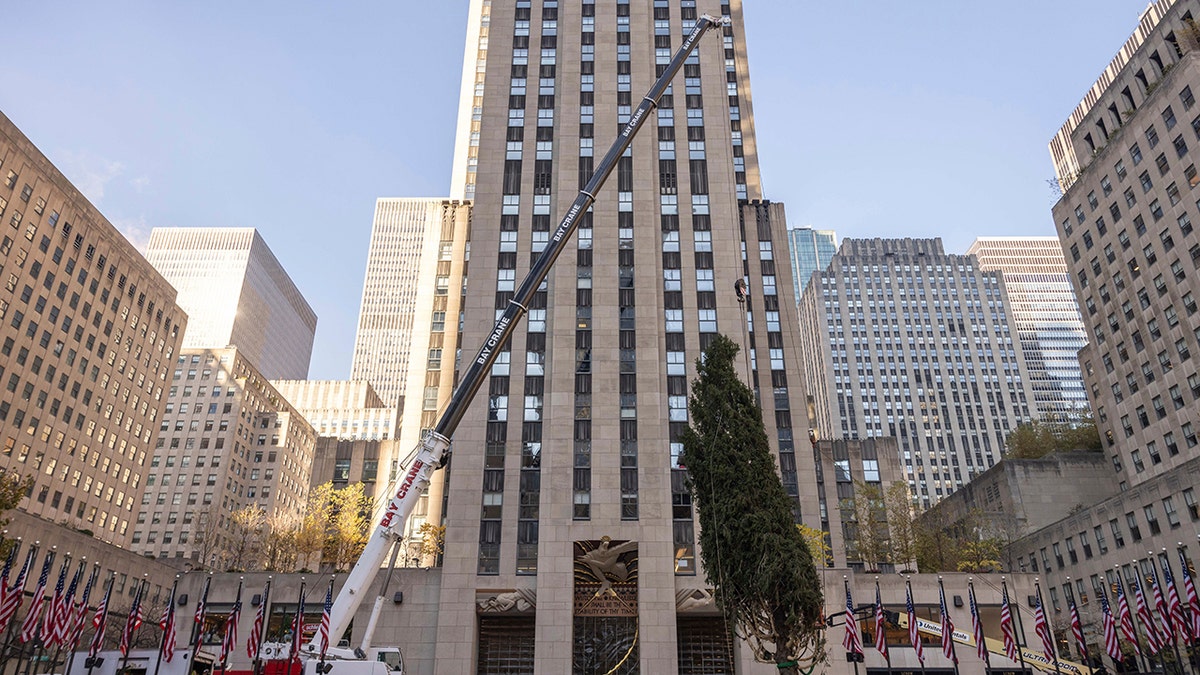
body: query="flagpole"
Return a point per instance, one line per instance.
(266, 612)
(1166, 561)
(945, 613)
(1087, 659)
(136, 607)
(197, 636)
(48, 561)
(1187, 609)
(913, 618)
(1133, 618)
(1008, 605)
(162, 643)
(887, 654)
(1158, 584)
(987, 657)
(1037, 587)
(98, 638)
(1137, 576)
(69, 601)
(297, 631)
(82, 614)
(851, 619)
(13, 554)
(237, 609)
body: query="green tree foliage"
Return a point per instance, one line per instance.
(762, 571)
(902, 527)
(869, 512)
(1035, 439)
(13, 489)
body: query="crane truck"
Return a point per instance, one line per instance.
(434, 449)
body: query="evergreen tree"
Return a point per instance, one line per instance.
(755, 558)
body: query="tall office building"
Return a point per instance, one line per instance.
(228, 441)
(236, 293)
(901, 339)
(89, 334)
(1049, 326)
(402, 319)
(810, 251)
(573, 456)
(1126, 160)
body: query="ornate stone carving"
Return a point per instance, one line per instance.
(516, 601)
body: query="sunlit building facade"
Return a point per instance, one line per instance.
(236, 293)
(1049, 326)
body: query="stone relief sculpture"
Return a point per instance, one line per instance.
(520, 600)
(605, 564)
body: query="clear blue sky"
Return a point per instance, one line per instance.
(875, 118)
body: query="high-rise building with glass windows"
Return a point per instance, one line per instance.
(570, 455)
(1049, 326)
(810, 250)
(236, 293)
(902, 339)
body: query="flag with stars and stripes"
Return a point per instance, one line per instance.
(166, 623)
(256, 630)
(62, 611)
(51, 616)
(133, 622)
(1077, 631)
(79, 615)
(851, 640)
(12, 596)
(977, 629)
(1042, 627)
(947, 627)
(1006, 627)
(914, 636)
(1126, 619)
(100, 621)
(1166, 634)
(1178, 621)
(1147, 621)
(29, 628)
(297, 631)
(1189, 592)
(1112, 646)
(880, 625)
(229, 642)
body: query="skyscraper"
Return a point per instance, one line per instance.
(401, 322)
(1049, 326)
(1126, 161)
(236, 294)
(89, 335)
(575, 451)
(901, 339)
(811, 250)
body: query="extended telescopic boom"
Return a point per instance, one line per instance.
(434, 449)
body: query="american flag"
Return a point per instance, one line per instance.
(167, 624)
(79, 614)
(1174, 607)
(1126, 617)
(1112, 647)
(947, 627)
(297, 629)
(133, 622)
(1144, 618)
(914, 636)
(29, 628)
(1042, 628)
(260, 617)
(977, 628)
(8, 563)
(229, 642)
(1189, 591)
(62, 612)
(1006, 627)
(10, 602)
(200, 615)
(1165, 633)
(1077, 631)
(100, 621)
(50, 620)
(850, 641)
(325, 618)
(880, 624)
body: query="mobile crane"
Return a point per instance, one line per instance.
(434, 450)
